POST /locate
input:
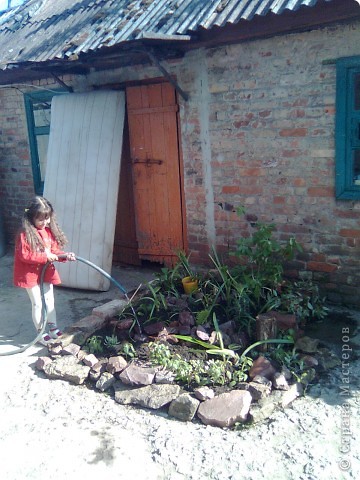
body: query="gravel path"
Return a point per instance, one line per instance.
(50, 429)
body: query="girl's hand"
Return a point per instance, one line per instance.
(52, 257)
(71, 256)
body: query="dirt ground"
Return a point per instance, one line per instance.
(50, 429)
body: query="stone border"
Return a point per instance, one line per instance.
(154, 388)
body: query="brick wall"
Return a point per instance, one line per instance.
(16, 180)
(16, 177)
(257, 131)
(261, 122)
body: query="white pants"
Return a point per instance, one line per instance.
(35, 297)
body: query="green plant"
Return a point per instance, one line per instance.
(128, 350)
(183, 266)
(94, 344)
(231, 292)
(197, 371)
(169, 281)
(240, 375)
(209, 348)
(303, 299)
(217, 372)
(153, 303)
(183, 370)
(111, 342)
(148, 307)
(262, 342)
(291, 360)
(261, 259)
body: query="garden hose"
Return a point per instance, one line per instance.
(43, 309)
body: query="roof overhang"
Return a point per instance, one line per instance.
(165, 47)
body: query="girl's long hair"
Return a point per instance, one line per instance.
(40, 207)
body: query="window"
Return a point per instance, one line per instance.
(348, 129)
(38, 113)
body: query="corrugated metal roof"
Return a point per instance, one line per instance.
(42, 30)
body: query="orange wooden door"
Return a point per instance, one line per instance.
(152, 115)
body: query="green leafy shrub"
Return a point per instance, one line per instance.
(94, 344)
(261, 258)
(236, 294)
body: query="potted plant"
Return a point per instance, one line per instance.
(189, 279)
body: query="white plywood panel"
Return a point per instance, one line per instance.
(82, 179)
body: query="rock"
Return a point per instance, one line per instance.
(204, 393)
(186, 318)
(100, 366)
(164, 376)
(154, 328)
(259, 390)
(110, 309)
(263, 367)
(83, 329)
(265, 407)
(285, 321)
(184, 407)
(41, 362)
(228, 328)
(309, 361)
(55, 349)
(296, 390)
(286, 372)
(105, 381)
(225, 409)
(124, 324)
(262, 380)
(116, 364)
(67, 368)
(71, 349)
(184, 329)
(214, 338)
(135, 376)
(97, 370)
(90, 360)
(201, 333)
(75, 336)
(327, 359)
(279, 381)
(81, 355)
(307, 344)
(94, 376)
(152, 396)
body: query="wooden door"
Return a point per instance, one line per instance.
(154, 150)
(82, 179)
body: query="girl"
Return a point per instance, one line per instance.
(40, 241)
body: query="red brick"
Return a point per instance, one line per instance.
(349, 232)
(293, 132)
(321, 191)
(321, 267)
(229, 189)
(299, 182)
(291, 153)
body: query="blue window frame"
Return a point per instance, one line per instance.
(348, 128)
(38, 116)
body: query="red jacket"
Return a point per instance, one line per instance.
(28, 264)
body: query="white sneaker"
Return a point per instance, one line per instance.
(55, 333)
